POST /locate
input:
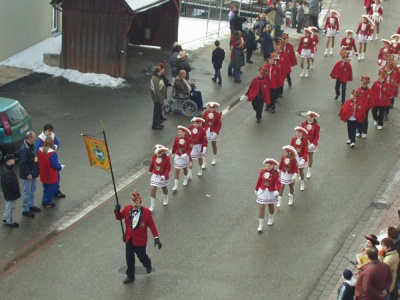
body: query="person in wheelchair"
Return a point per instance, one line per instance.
(181, 85)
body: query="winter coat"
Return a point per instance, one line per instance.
(27, 164)
(158, 89)
(391, 258)
(372, 280)
(173, 61)
(313, 8)
(237, 23)
(238, 57)
(346, 290)
(250, 42)
(279, 16)
(267, 44)
(218, 56)
(182, 64)
(9, 183)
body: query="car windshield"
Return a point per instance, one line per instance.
(16, 114)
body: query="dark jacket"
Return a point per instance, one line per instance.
(166, 80)
(238, 57)
(218, 56)
(27, 164)
(250, 42)
(9, 183)
(346, 291)
(183, 65)
(237, 23)
(267, 44)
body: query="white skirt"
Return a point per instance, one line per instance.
(196, 152)
(362, 38)
(351, 54)
(266, 197)
(181, 162)
(210, 135)
(157, 181)
(331, 32)
(305, 53)
(315, 149)
(377, 18)
(286, 178)
(299, 165)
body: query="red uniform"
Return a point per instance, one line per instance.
(214, 123)
(342, 71)
(381, 91)
(254, 88)
(180, 148)
(301, 147)
(306, 43)
(393, 79)
(332, 23)
(199, 137)
(366, 98)
(349, 44)
(382, 55)
(290, 167)
(161, 168)
(352, 108)
(272, 183)
(138, 235)
(364, 31)
(291, 54)
(313, 130)
(315, 38)
(274, 76)
(285, 62)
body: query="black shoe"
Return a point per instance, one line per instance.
(272, 111)
(60, 195)
(4, 221)
(290, 84)
(250, 62)
(219, 82)
(51, 205)
(149, 269)
(258, 121)
(34, 209)
(230, 74)
(213, 79)
(337, 97)
(15, 224)
(267, 108)
(128, 280)
(28, 214)
(157, 127)
(237, 80)
(163, 118)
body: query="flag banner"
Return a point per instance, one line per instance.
(97, 152)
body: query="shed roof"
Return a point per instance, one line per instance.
(143, 5)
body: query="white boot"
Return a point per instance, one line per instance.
(363, 56)
(279, 201)
(331, 52)
(359, 56)
(260, 225)
(189, 176)
(175, 188)
(376, 36)
(302, 73)
(290, 199)
(326, 52)
(308, 173)
(302, 185)
(185, 180)
(214, 160)
(312, 65)
(200, 172)
(152, 203)
(271, 219)
(204, 163)
(306, 73)
(165, 200)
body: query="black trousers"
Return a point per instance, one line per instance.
(337, 89)
(258, 104)
(157, 113)
(278, 31)
(314, 21)
(249, 53)
(378, 113)
(351, 130)
(363, 127)
(274, 93)
(130, 251)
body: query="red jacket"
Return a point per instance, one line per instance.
(375, 8)
(367, 31)
(291, 54)
(291, 167)
(272, 183)
(200, 137)
(335, 23)
(274, 76)
(48, 166)
(348, 44)
(313, 132)
(342, 71)
(366, 98)
(214, 124)
(306, 43)
(381, 93)
(302, 149)
(254, 88)
(284, 58)
(351, 108)
(393, 79)
(139, 234)
(180, 149)
(163, 168)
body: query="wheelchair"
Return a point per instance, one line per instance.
(180, 102)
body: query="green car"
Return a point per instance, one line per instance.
(15, 122)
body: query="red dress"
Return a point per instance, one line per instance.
(306, 47)
(267, 183)
(213, 124)
(342, 71)
(301, 146)
(288, 167)
(350, 45)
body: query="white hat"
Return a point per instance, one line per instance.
(184, 129)
(270, 161)
(160, 148)
(198, 120)
(299, 128)
(290, 148)
(386, 41)
(349, 31)
(396, 35)
(212, 104)
(312, 114)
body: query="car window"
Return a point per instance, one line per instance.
(16, 114)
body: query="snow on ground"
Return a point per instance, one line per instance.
(192, 36)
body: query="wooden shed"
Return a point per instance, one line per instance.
(95, 33)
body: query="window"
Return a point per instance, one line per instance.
(55, 19)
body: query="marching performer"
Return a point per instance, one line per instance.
(364, 35)
(315, 38)
(212, 125)
(289, 172)
(376, 12)
(381, 91)
(331, 30)
(368, 102)
(349, 44)
(267, 191)
(275, 81)
(181, 150)
(306, 51)
(313, 129)
(282, 61)
(199, 140)
(383, 52)
(159, 169)
(300, 143)
(343, 73)
(289, 49)
(393, 78)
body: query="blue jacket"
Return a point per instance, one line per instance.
(27, 164)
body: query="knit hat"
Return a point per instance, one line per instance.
(347, 274)
(8, 157)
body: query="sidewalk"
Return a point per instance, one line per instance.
(10, 74)
(381, 214)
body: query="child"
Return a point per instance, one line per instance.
(250, 45)
(364, 35)
(289, 50)
(11, 191)
(368, 102)
(306, 50)
(199, 140)
(349, 44)
(352, 112)
(393, 78)
(347, 290)
(300, 143)
(212, 125)
(289, 170)
(159, 169)
(331, 30)
(267, 191)
(181, 151)
(315, 38)
(275, 81)
(343, 73)
(381, 92)
(282, 60)
(383, 52)
(218, 56)
(376, 13)
(313, 129)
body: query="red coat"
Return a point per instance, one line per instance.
(291, 54)
(302, 149)
(348, 44)
(274, 76)
(351, 108)
(200, 137)
(291, 167)
(381, 93)
(335, 23)
(284, 58)
(342, 71)
(214, 124)
(254, 88)
(180, 149)
(163, 168)
(366, 98)
(139, 234)
(272, 183)
(395, 48)
(313, 132)
(305, 43)
(368, 3)
(393, 79)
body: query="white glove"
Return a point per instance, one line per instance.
(337, 32)
(163, 177)
(214, 136)
(62, 167)
(297, 54)
(312, 146)
(312, 55)
(276, 194)
(302, 161)
(204, 150)
(379, 61)
(243, 98)
(55, 147)
(295, 176)
(184, 155)
(324, 32)
(343, 47)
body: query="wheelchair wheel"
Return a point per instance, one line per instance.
(189, 108)
(167, 107)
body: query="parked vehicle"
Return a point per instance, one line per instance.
(15, 122)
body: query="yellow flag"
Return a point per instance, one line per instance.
(97, 152)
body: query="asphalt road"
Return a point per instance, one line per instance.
(209, 230)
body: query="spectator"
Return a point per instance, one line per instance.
(182, 63)
(371, 242)
(300, 16)
(237, 22)
(347, 289)
(158, 95)
(231, 13)
(181, 85)
(11, 191)
(250, 45)
(313, 10)
(391, 258)
(218, 56)
(279, 18)
(237, 55)
(174, 58)
(267, 43)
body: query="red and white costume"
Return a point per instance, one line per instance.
(288, 168)
(275, 75)
(267, 186)
(182, 149)
(199, 142)
(331, 26)
(376, 13)
(301, 146)
(289, 49)
(313, 130)
(306, 47)
(212, 125)
(159, 169)
(386, 49)
(349, 44)
(364, 32)
(256, 85)
(395, 47)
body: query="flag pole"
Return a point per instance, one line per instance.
(112, 176)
